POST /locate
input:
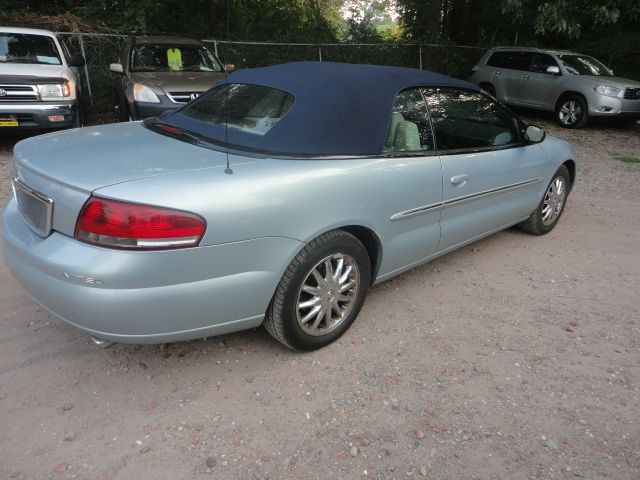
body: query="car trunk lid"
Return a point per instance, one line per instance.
(66, 167)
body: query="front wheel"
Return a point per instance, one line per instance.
(546, 216)
(572, 112)
(320, 293)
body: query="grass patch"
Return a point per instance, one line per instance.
(626, 158)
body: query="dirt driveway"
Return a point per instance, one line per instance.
(514, 358)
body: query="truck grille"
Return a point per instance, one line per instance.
(632, 94)
(18, 93)
(182, 97)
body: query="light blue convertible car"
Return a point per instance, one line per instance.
(278, 198)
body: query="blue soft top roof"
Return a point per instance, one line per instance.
(339, 109)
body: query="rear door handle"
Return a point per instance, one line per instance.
(525, 77)
(498, 74)
(459, 179)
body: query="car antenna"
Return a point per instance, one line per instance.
(227, 170)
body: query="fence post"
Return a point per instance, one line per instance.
(215, 48)
(86, 68)
(320, 52)
(420, 52)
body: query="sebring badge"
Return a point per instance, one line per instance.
(72, 277)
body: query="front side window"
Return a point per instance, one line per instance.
(468, 120)
(248, 108)
(542, 61)
(583, 65)
(409, 128)
(181, 58)
(28, 48)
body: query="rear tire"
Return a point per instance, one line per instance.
(572, 112)
(546, 216)
(320, 293)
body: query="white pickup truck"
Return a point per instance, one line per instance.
(39, 81)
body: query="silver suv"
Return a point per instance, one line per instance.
(39, 81)
(572, 85)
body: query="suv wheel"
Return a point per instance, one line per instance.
(572, 112)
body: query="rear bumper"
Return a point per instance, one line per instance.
(35, 116)
(147, 297)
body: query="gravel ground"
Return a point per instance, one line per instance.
(516, 357)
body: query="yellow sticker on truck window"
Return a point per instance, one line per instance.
(174, 58)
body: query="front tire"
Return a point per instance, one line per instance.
(546, 216)
(320, 293)
(572, 112)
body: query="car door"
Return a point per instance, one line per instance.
(515, 66)
(490, 178)
(411, 200)
(539, 88)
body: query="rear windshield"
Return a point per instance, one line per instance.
(28, 48)
(180, 58)
(250, 109)
(583, 65)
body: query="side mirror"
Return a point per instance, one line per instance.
(553, 70)
(76, 61)
(534, 134)
(116, 68)
(229, 67)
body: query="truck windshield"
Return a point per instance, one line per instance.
(180, 58)
(28, 48)
(583, 65)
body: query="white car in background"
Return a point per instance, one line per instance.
(39, 82)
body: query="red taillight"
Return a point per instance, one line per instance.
(111, 223)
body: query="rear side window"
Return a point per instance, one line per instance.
(464, 119)
(517, 60)
(249, 108)
(496, 59)
(409, 128)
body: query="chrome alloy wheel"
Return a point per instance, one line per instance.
(554, 201)
(570, 112)
(328, 294)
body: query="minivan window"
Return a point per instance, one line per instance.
(28, 48)
(517, 60)
(583, 65)
(465, 119)
(409, 128)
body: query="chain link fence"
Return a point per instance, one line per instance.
(100, 50)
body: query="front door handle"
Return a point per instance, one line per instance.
(459, 179)
(525, 77)
(497, 74)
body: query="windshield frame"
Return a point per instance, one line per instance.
(572, 71)
(53, 43)
(218, 67)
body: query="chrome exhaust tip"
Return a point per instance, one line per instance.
(101, 342)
